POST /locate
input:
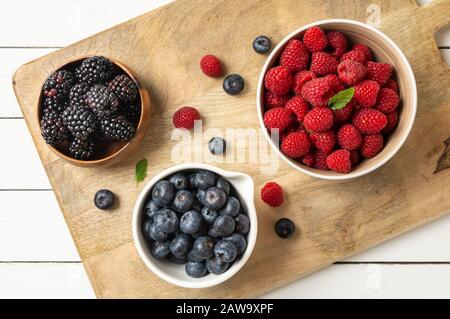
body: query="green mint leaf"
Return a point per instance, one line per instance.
(141, 170)
(341, 99)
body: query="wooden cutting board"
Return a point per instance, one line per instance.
(335, 219)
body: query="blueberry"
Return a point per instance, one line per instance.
(146, 228)
(178, 260)
(191, 222)
(233, 84)
(183, 201)
(203, 247)
(214, 198)
(157, 234)
(201, 194)
(166, 220)
(192, 180)
(225, 251)
(193, 256)
(217, 145)
(180, 181)
(223, 184)
(196, 205)
(163, 193)
(239, 241)
(231, 207)
(216, 266)
(262, 44)
(209, 215)
(242, 223)
(205, 180)
(224, 225)
(179, 246)
(285, 228)
(104, 199)
(195, 269)
(151, 209)
(160, 249)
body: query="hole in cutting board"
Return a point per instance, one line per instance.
(442, 38)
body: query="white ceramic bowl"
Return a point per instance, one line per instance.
(174, 273)
(384, 50)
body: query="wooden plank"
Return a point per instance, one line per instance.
(400, 196)
(10, 60)
(21, 168)
(55, 280)
(59, 23)
(33, 228)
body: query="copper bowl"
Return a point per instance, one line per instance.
(110, 152)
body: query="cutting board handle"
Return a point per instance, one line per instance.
(437, 13)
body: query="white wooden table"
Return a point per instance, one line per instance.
(37, 256)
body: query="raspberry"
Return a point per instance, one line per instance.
(323, 141)
(300, 79)
(272, 101)
(279, 80)
(351, 72)
(380, 72)
(388, 101)
(308, 159)
(315, 39)
(296, 144)
(354, 157)
(272, 194)
(322, 63)
(344, 114)
(299, 106)
(211, 66)
(349, 138)
(354, 55)
(392, 120)
(278, 118)
(335, 82)
(295, 56)
(339, 161)
(320, 160)
(317, 92)
(371, 145)
(319, 119)
(392, 84)
(369, 121)
(338, 42)
(185, 117)
(364, 49)
(366, 93)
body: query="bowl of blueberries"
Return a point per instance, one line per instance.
(195, 225)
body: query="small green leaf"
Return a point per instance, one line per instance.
(341, 99)
(141, 170)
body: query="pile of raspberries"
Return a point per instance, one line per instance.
(312, 70)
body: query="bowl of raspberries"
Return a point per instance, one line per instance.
(92, 111)
(195, 225)
(337, 99)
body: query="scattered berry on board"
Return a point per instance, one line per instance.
(104, 199)
(272, 194)
(262, 44)
(86, 105)
(211, 66)
(333, 104)
(233, 84)
(208, 238)
(285, 228)
(185, 117)
(217, 145)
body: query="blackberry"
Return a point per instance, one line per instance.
(102, 102)
(96, 69)
(79, 121)
(132, 113)
(53, 104)
(124, 87)
(117, 128)
(52, 128)
(77, 94)
(58, 84)
(82, 150)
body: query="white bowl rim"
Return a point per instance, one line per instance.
(210, 280)
(410, 122)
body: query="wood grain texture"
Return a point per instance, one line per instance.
(163, 47)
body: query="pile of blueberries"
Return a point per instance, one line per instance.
(194, 218)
